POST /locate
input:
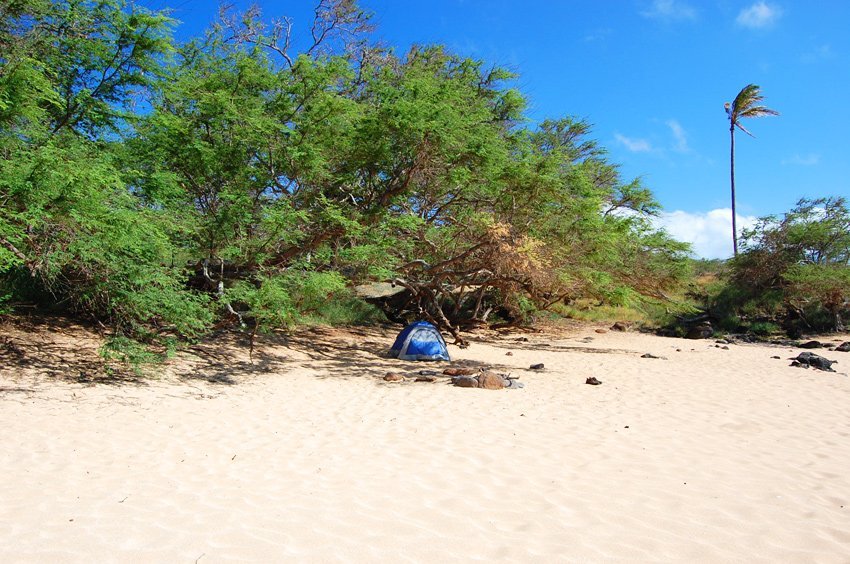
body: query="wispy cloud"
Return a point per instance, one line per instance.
(634, 145)
(758, 16)
(680, 138)
(710, 233)
(819, 53)
(599, 34)
(803, 160)
(670, 10)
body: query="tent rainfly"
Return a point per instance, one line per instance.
(420, 341)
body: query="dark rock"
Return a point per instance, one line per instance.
(777, 357)
(650, 355)
(592, 381)
(808, 359)
(811, 345)
(537, 366)
(843, 347)
(392, 377)
(620, 326)
(701, 331)
(465, 382)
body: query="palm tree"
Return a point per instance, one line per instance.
(746, 105)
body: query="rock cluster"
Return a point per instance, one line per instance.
(487, 380)
(807, 359)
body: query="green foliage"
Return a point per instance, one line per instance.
(763, 328)
(128, 353)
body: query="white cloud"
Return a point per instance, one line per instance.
(632, 144)
(679, 136)
(759, 15)
(803, 160)
(710, 233)
(670, 10)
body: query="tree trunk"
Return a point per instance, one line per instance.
(732, 179)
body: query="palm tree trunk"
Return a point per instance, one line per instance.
(732, 178)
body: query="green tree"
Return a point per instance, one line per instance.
(747, 104)
(802, 259)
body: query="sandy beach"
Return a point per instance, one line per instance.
(303, 453)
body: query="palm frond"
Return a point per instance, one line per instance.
(758, 111)
(744, 129)
(747, 104)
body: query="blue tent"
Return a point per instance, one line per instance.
(420, 341)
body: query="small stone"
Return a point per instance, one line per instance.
(725, 348)
(601, 331)
(592, 381)
(777, 357)
(392, 377)
(509, 353)
(537, 366)
(650, 355)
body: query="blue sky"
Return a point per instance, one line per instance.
(652, 76)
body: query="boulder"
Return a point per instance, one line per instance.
(701, 331)
(491, 381)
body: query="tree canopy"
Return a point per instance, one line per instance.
(163, 187)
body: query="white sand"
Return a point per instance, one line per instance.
(711, 455)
